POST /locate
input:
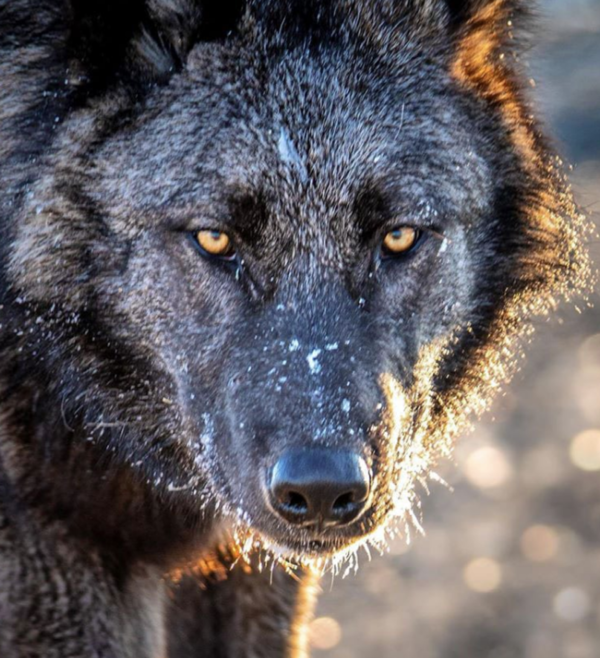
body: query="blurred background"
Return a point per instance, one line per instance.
(510, 564)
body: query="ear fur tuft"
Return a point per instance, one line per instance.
(487, 35)
(146, 39)
(464, 13)
(100, 33)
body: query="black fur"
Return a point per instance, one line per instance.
(146, 390)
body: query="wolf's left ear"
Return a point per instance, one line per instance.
(466, 14)
(483, 31)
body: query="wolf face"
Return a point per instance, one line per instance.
(306, 247)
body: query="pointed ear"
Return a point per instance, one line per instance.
(145, 39)
(180, 23)
(99, 34)
(487, 35)
(109, 38)
(465, 14)
(487, 40)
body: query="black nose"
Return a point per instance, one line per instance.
(319, 487)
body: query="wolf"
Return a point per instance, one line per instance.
(261, 262)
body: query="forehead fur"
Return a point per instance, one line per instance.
(379, 29)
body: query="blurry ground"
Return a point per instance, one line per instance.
(510, 566)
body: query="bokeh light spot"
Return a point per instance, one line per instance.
(488, 467)
(585, 450)
(586, 392)
(483, 575)
(324, 633)
(571, 604)
(589, 352)
(539, 543)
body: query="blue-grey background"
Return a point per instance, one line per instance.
(510, 564)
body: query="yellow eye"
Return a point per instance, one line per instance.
(400, 240)
(215, 243)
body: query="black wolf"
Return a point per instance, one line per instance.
(260, 262)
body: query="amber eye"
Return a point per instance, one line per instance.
(400, 240)
(215, 243)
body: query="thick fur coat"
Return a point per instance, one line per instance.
(147, 387)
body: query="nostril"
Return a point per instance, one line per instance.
(344, 502)
(296, 502)
(318, 486)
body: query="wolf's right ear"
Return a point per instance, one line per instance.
(108, 38)
(181, 23)
(147, 38)
(99, 35)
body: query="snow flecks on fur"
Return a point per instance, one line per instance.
(403, 504)
(208, 434)
(313, 361)
(289, 154)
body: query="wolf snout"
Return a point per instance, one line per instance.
(318, 486)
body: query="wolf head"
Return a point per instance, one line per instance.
(269, 260)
